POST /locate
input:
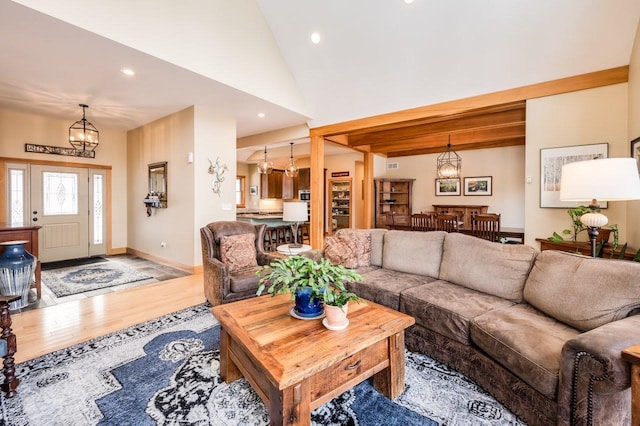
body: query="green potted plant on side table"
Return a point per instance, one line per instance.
(336, 300)
(306, 280)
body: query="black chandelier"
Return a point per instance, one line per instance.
(83, 135)
(449, 163)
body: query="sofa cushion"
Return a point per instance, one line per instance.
(238, 251)
(385, 285)
(493, 268)
(447, 308)
(583, 292)
(413, 252)
(377, 244)
(526, 342)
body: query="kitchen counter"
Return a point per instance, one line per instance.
(269, 219)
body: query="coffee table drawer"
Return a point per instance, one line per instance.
(349, 372)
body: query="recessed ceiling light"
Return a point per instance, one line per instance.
(315, 38)
(128, 71)
(261, 114)
(408, 1)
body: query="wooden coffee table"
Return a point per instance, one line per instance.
(298, 365)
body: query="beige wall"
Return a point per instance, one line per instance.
(504, 165)
(18, 128)
(633, 207)
(168, 139)
(578, 118)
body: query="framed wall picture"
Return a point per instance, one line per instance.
(253, 190)
(635, 151)
(448, 186)
(551, 162)
(478, 185)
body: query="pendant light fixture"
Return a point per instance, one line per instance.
(291, 170)
(449, 163)
(83, 135)
(265, 166)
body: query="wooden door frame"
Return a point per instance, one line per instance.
(4, 195)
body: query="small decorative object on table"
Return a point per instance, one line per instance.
(16, 272)
(308, 281)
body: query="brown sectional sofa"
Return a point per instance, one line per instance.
(542, 332)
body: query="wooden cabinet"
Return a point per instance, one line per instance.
(30, 235)
(464, 212)
(393, 202)
(289, 187)
(304, 179)
(584, 248)
(339, 204)
(271, 184)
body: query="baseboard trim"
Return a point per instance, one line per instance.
(178, 265)
(114, 251)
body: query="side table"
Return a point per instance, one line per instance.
(292, 251)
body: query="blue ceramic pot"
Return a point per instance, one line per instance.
(16, 272)
(306, 305)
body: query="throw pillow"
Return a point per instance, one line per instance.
(339, 253)
(359, 242)
(238, 251)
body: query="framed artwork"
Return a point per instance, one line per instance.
(448, 186)
(478, 185)
(551, 162)
(253, 190)
(635, 151)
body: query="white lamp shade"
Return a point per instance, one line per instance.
(294, 211)
(606, 179)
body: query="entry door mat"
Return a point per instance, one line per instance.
(166, 372)
(73, 280)
(72, 262)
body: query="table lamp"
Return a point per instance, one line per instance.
(605, 179)
(296, 212)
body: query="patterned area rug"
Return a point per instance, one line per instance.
(67, 281)
(165, 372)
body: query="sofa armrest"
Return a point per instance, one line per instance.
(216, 280)
(266, 258)
(592, 368)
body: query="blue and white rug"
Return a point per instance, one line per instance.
(79, 279)
(166, 372)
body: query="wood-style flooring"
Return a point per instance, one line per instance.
(47, 329)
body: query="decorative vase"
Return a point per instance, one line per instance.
(307, 305)
(16, 272)
(336, 317)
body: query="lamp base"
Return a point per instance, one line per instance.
(295, 245)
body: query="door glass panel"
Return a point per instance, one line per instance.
(16, 196)
(60, 193)
(98, 231)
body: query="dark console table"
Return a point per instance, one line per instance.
(30, 235)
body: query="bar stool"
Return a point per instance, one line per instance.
(303, 233)
(270, 239)
(283, 235)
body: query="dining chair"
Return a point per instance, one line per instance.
(447, 222)
(486, 226)
(425, 221)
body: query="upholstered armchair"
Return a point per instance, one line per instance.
(231, 254)
(8, 347)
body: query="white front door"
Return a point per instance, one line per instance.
(60, 204)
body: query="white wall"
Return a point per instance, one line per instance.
(633, 207)
(18, 128)
(504, 165)
(577, 118)
(227, 41)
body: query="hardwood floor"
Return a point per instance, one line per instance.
(50, 328)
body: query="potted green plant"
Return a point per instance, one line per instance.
(305, 279)
(336, 300)
(575, 214)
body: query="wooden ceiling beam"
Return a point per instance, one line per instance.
(460, 138)
(475, 145)
(460, 123)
